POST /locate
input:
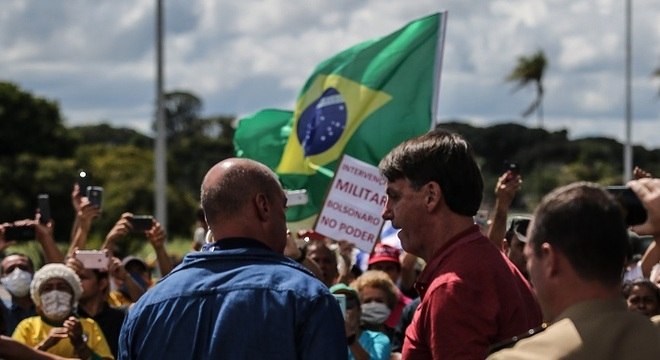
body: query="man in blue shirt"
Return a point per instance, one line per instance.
(240, 298)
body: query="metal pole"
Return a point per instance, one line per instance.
(160, 152)
(627, 151)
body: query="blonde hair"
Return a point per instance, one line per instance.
(378, 280)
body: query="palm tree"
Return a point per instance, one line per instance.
(530, 69)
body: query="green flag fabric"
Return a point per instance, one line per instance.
(362, 102)
(262, 136)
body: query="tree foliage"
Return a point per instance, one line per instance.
(121, 160)
(530, 69)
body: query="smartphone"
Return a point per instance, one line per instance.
(512, 166)
(341, 299)
(44, 208)
(20, 232)
(83, 180)
(296, 197)
(633, 210)
(95, 195)
(141, 223)
(93, 259)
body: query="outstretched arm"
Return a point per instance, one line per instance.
(506, 188)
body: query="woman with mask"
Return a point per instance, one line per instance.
(55, 290)
(363, 344)
(378, 296)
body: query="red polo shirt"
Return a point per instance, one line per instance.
(472, 297)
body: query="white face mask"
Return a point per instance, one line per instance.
(56, 305)
(374, 313)
(18, 282)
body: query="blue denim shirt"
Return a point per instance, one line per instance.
(238, 300)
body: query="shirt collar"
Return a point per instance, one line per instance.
(428, 274)
(234, 243)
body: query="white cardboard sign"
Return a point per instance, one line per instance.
(352, 209)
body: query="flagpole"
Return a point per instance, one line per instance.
(437, 68)
(627, 151)
(160, 150)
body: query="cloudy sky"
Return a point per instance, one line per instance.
(96, 58)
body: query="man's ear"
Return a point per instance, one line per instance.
(262, 206)
(551, 260)
(433, 195)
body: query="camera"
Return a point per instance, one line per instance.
(632, 208)
(141, 223)
(44, 208)
(93, 259)
(20, 232)
(95, 195)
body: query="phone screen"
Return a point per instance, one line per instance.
(341, 299)
(141, 223)
(44, 208)
(20, 232)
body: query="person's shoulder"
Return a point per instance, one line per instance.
(554, 342)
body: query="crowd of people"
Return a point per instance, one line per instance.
(558, 283)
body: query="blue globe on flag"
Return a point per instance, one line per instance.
(322, 123)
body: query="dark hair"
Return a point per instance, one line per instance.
(585, 223)
(628, 286)
(29, 260)
(235, 187)
(442, 157)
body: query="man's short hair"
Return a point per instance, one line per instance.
(236, 187)
(586, 224)
(443, 157)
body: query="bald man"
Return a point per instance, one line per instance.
(239, 298)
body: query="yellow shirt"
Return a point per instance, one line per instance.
(117, 299)
(34, 330)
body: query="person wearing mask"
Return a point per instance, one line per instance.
(378, 297)
(17, 272)
(55, 290)
(386, 258)
(363, 344)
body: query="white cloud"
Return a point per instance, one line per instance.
(97, 58)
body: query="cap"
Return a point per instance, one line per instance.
(384, 252)
(132, 259)
(51, 271)
(352, 298)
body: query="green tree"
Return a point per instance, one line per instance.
(530, 69)
(31, 124)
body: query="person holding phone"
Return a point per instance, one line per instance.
(55, 290)
(575, 256)
(240, 297)
(94, 304)
(362, 343)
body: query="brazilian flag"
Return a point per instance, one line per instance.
(362, 102)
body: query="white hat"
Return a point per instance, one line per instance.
(55, 270)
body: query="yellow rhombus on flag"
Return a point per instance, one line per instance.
(352, 102)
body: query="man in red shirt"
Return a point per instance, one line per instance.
(472, 297)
